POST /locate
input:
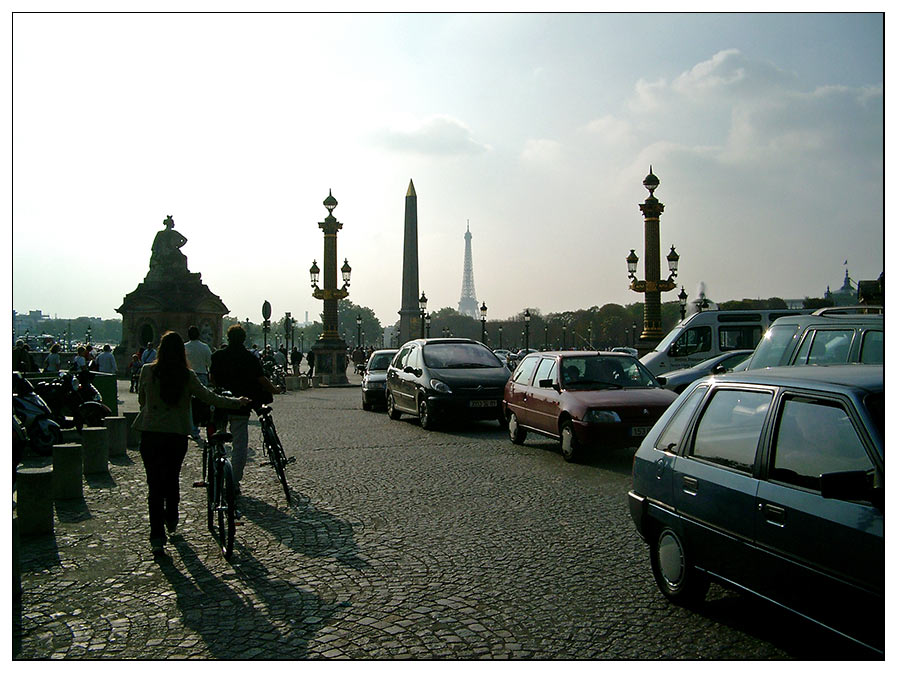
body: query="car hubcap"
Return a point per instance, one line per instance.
(670, 559)
(513, 426)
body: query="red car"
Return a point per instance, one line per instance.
(585, 399)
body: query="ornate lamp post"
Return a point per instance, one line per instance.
(652, 286)
(422, 309)
(527, 329)
(358, 329)
(563, 336)
(330, 349)
(500, 336)
(266, 324)
(87, 334)
(483, 322)
(546, 338)
(589, 333)
(682, 297)
(427, 325)
(287, 323)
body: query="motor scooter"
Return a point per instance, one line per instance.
(75, 402)
(35, 417)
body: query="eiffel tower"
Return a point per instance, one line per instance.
(467, 305)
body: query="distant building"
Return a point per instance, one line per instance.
(844, 296)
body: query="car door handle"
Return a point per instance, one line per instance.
(690, 485)
(773, 514)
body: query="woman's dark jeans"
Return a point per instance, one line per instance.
(162, 454)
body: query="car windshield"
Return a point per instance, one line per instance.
(598, 372)
(774, 346)
(380, 361)
(459, 355)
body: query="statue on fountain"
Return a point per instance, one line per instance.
(167, 259)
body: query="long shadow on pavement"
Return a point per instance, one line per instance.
(234, 625)
(306, 530)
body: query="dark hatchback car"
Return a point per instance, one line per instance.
(772, 481)
(438, 378)
(585, 399)
(374, 378)
(678, 380)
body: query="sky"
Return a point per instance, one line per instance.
(765, 130)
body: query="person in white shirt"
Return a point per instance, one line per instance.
(106, 361)
(199, 359)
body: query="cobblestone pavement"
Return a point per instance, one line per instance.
(400, 543)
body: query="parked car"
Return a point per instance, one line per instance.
(585, 399)
(629, 350)
(678, 380)
(374, 378)
(515, 358)
(437, 378)
(772, 481)
(828, 336)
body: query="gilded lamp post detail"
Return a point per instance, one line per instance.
(653, 285)
(330, 349)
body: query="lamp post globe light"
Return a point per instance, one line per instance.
(422, 309)
(682, 297)
(483, 322)
(330, 348)
(653, 285)
(527, 329)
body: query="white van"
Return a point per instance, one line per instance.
(709, 333)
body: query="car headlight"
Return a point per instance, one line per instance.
(601, 417)
(439, 386)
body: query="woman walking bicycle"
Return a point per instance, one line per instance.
(164, 392)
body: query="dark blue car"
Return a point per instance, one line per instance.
(772, 481)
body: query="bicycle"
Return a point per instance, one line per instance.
(273, 447)
(218, 479)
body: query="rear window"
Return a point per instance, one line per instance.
(775, 347)
(872, 347)
(459, 356)
(380, 361)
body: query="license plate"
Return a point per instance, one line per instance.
(483, 403)
(640, 431)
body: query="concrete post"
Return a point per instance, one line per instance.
(95, 442)
(34, 502)
(118, 435)
(67, 471)
(133, 433)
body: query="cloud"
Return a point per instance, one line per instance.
(611, 130)
(541, 151)
(440, 135)
(730, 71)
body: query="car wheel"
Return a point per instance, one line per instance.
(677, 579)
(366, 405)
(425, 416)
(570, 449)
(392, 412)
(515, 432)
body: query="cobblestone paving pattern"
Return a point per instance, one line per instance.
(400, 543)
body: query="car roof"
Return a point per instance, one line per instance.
(576, 354)
(861, 377)
(832, 319)
(384, 351)
(441, 340)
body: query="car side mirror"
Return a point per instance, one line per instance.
(850, 485)
(673, 351)
(718, 369)
(662, 381)
(409, 369)
(548, 383)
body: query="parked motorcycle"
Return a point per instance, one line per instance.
(34, 416)
(74, 400)
(275, 374)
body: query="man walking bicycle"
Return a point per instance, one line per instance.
(240, 372)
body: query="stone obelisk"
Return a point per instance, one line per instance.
(409, 319)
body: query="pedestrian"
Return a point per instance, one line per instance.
(149, 354)
(79, 362)
(21, 359)
(310, 359)
(295, 360)
(199, 358)
(240, 372)
(106, 361)
(134, 370)
(52, 364)
(164, 390)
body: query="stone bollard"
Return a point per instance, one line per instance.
(95, 442)
(118, 435)
(34, 502)
(292, 383)
(315, 380)
(133, 433)
(71, 435)
(67, 471)
(303, 382)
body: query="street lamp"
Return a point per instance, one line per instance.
(563, 335)
(500, 336)
(682, 297)
(266, 324)
(546, 338)
(634, 333)
(358, 329)
(330, 349)
(483, 322)
(287, 328)
(422, 309)
(653, 285)
(427, 324)
(589, 333)
(527, 329)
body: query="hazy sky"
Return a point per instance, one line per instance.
(766, 131)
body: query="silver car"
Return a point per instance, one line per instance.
(374, 379)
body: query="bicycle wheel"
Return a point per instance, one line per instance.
(226, 508)
(277, 456)
(209, 475)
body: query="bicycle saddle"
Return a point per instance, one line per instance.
(263, 409)
(223, 436)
